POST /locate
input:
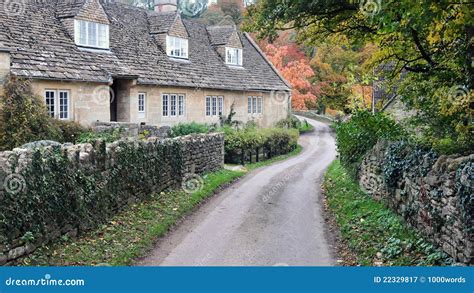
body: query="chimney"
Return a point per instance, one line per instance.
(166, 5)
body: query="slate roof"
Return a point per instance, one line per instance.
(219, 35)
(41, 48)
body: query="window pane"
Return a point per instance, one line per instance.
(173, 105)
(221, 105)
(165, 105)
(214, 106)
(260, 105)
(141, 103)
(63, 105)
(181, 105)
(254, 105)
(103, 36)
(208, 106)
(82, 32)
(92, 34)
(50, 101)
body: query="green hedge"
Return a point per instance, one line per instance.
(242, 145)
(358, 135)
(189, 128)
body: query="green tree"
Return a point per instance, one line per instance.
(23, 116)
(430, 40)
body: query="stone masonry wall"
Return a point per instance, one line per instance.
(433, 194)
(69, 189)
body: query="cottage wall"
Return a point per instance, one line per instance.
(90, 103)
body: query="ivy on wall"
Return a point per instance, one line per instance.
(76, 188)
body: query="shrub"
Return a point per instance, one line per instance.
(109, 135)
(359, 134)
(294, 123)
(290, 122)
(24, 117)
(70, 131)
(189, 128)
(272, 142)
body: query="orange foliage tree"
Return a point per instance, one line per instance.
(295, 68)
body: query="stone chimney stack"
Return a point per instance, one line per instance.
(166, 5)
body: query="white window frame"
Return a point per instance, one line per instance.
(233, 56)
(99, 40)
(177, 47)
(58, 109)
(254, 105)
(220, 106)
(165, 99)
(181, 105)
(208, 105)
(174, 105)
(141, 102)
(249, 104)
(141, 105)
(214, 106)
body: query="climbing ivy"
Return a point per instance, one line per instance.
(78, 191)
(465, 192)
(402, 156)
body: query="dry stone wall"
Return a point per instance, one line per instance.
(434, 194)
(68, 189)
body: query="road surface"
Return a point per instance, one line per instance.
(272, 217)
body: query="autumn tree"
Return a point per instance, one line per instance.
(295, 68)
(430, 40)
(342, 73)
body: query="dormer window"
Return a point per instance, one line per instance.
(233, 56)
(177, 47)
(91, 34)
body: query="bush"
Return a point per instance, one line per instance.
(109, 135)
(24, 117)
(290, 122)
(70, 131)
(294, 123)
(358, 135)
(240, 144)
(189, 128)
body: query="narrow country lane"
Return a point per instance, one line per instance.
(274, 216)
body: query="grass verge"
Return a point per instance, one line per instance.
(131, 233)
(373, 232)
(305, 127)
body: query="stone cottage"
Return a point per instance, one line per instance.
(98, 60)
